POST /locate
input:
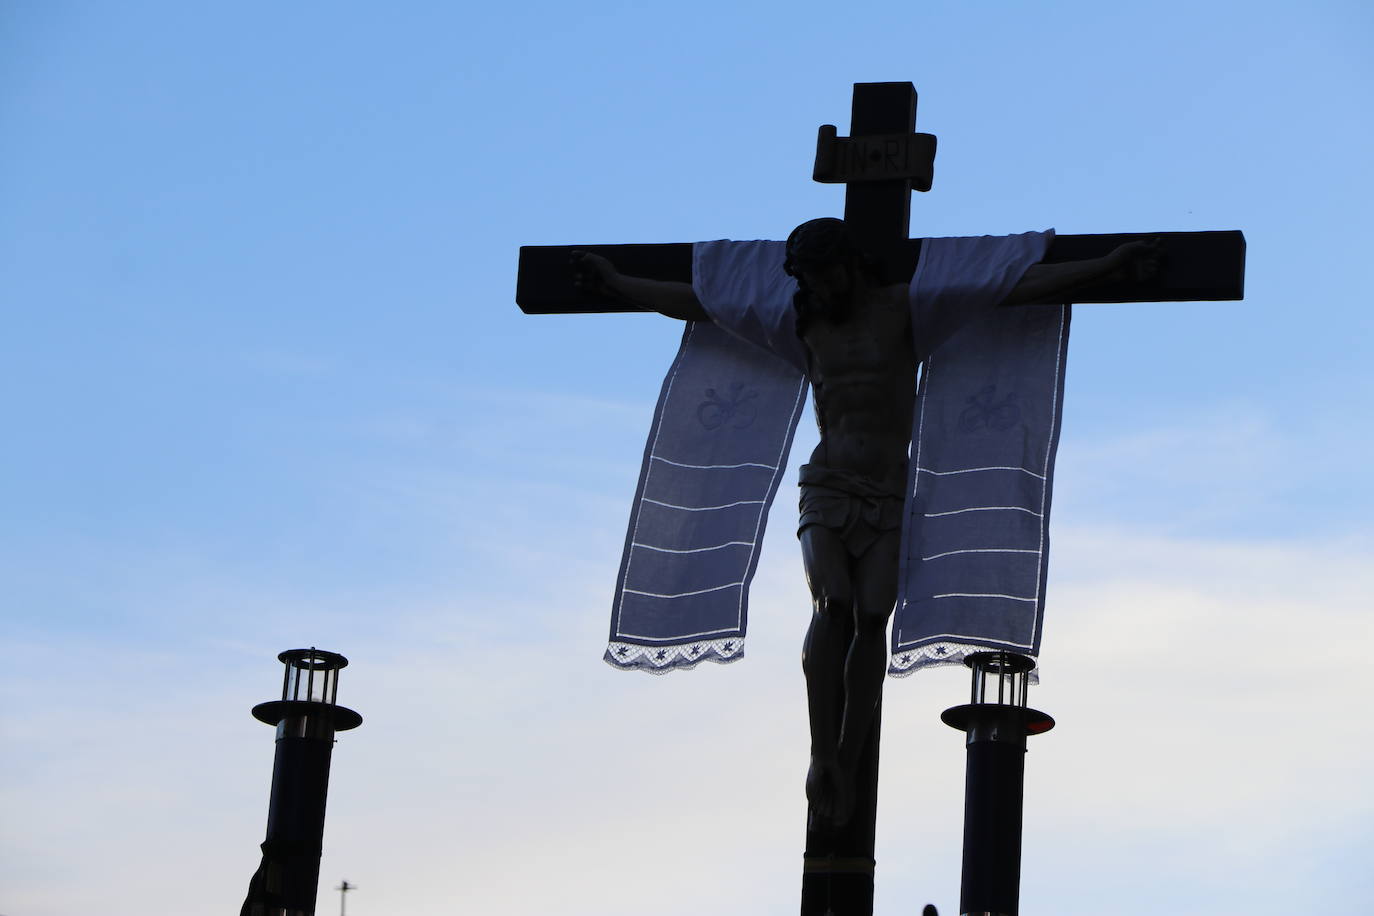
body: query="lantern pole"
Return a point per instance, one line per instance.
(307, 717)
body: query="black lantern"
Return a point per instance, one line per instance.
(997, 722)
(307, 717)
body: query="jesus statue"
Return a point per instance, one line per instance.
(862, 359)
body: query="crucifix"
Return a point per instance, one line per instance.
(853, 323)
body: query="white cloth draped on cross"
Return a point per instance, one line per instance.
(975, 530)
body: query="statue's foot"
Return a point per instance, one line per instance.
(829, 791)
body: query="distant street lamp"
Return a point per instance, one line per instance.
(306, 717)
(343, 890)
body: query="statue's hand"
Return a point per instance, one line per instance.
(593, 274)
(1139, 262)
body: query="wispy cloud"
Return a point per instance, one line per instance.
(1224, 469)
(502, 767)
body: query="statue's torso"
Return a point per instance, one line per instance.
(863, 371)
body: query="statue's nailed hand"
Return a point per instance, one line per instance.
(593, 275)
(1138, 262)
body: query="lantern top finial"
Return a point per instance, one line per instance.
(317, 659)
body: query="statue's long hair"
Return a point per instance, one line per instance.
(819, 242)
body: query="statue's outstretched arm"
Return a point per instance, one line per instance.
(1138, 261)
(595, 274)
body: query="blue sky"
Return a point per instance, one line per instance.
(265, 385)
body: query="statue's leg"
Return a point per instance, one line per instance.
(823, 661)
(875, 593)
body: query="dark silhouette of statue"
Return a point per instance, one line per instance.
(862, 363)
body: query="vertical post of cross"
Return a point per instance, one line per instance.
(838, 865)
(879, 212)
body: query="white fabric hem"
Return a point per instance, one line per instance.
(683, 657)
(931, 655)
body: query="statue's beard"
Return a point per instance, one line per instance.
(827, 292)
(835, 313)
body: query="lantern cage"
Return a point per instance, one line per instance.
(309, 687)
(1001, 681)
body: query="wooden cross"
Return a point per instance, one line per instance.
(881, 162)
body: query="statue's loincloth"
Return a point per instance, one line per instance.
(855, 507)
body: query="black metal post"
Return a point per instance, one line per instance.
(306, 717)
(995, 780)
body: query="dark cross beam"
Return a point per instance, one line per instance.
(1197, 267)
(880, 163)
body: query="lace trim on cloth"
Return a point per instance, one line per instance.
(684, 657)
(930, 655)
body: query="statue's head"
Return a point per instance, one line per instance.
(828, 264)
